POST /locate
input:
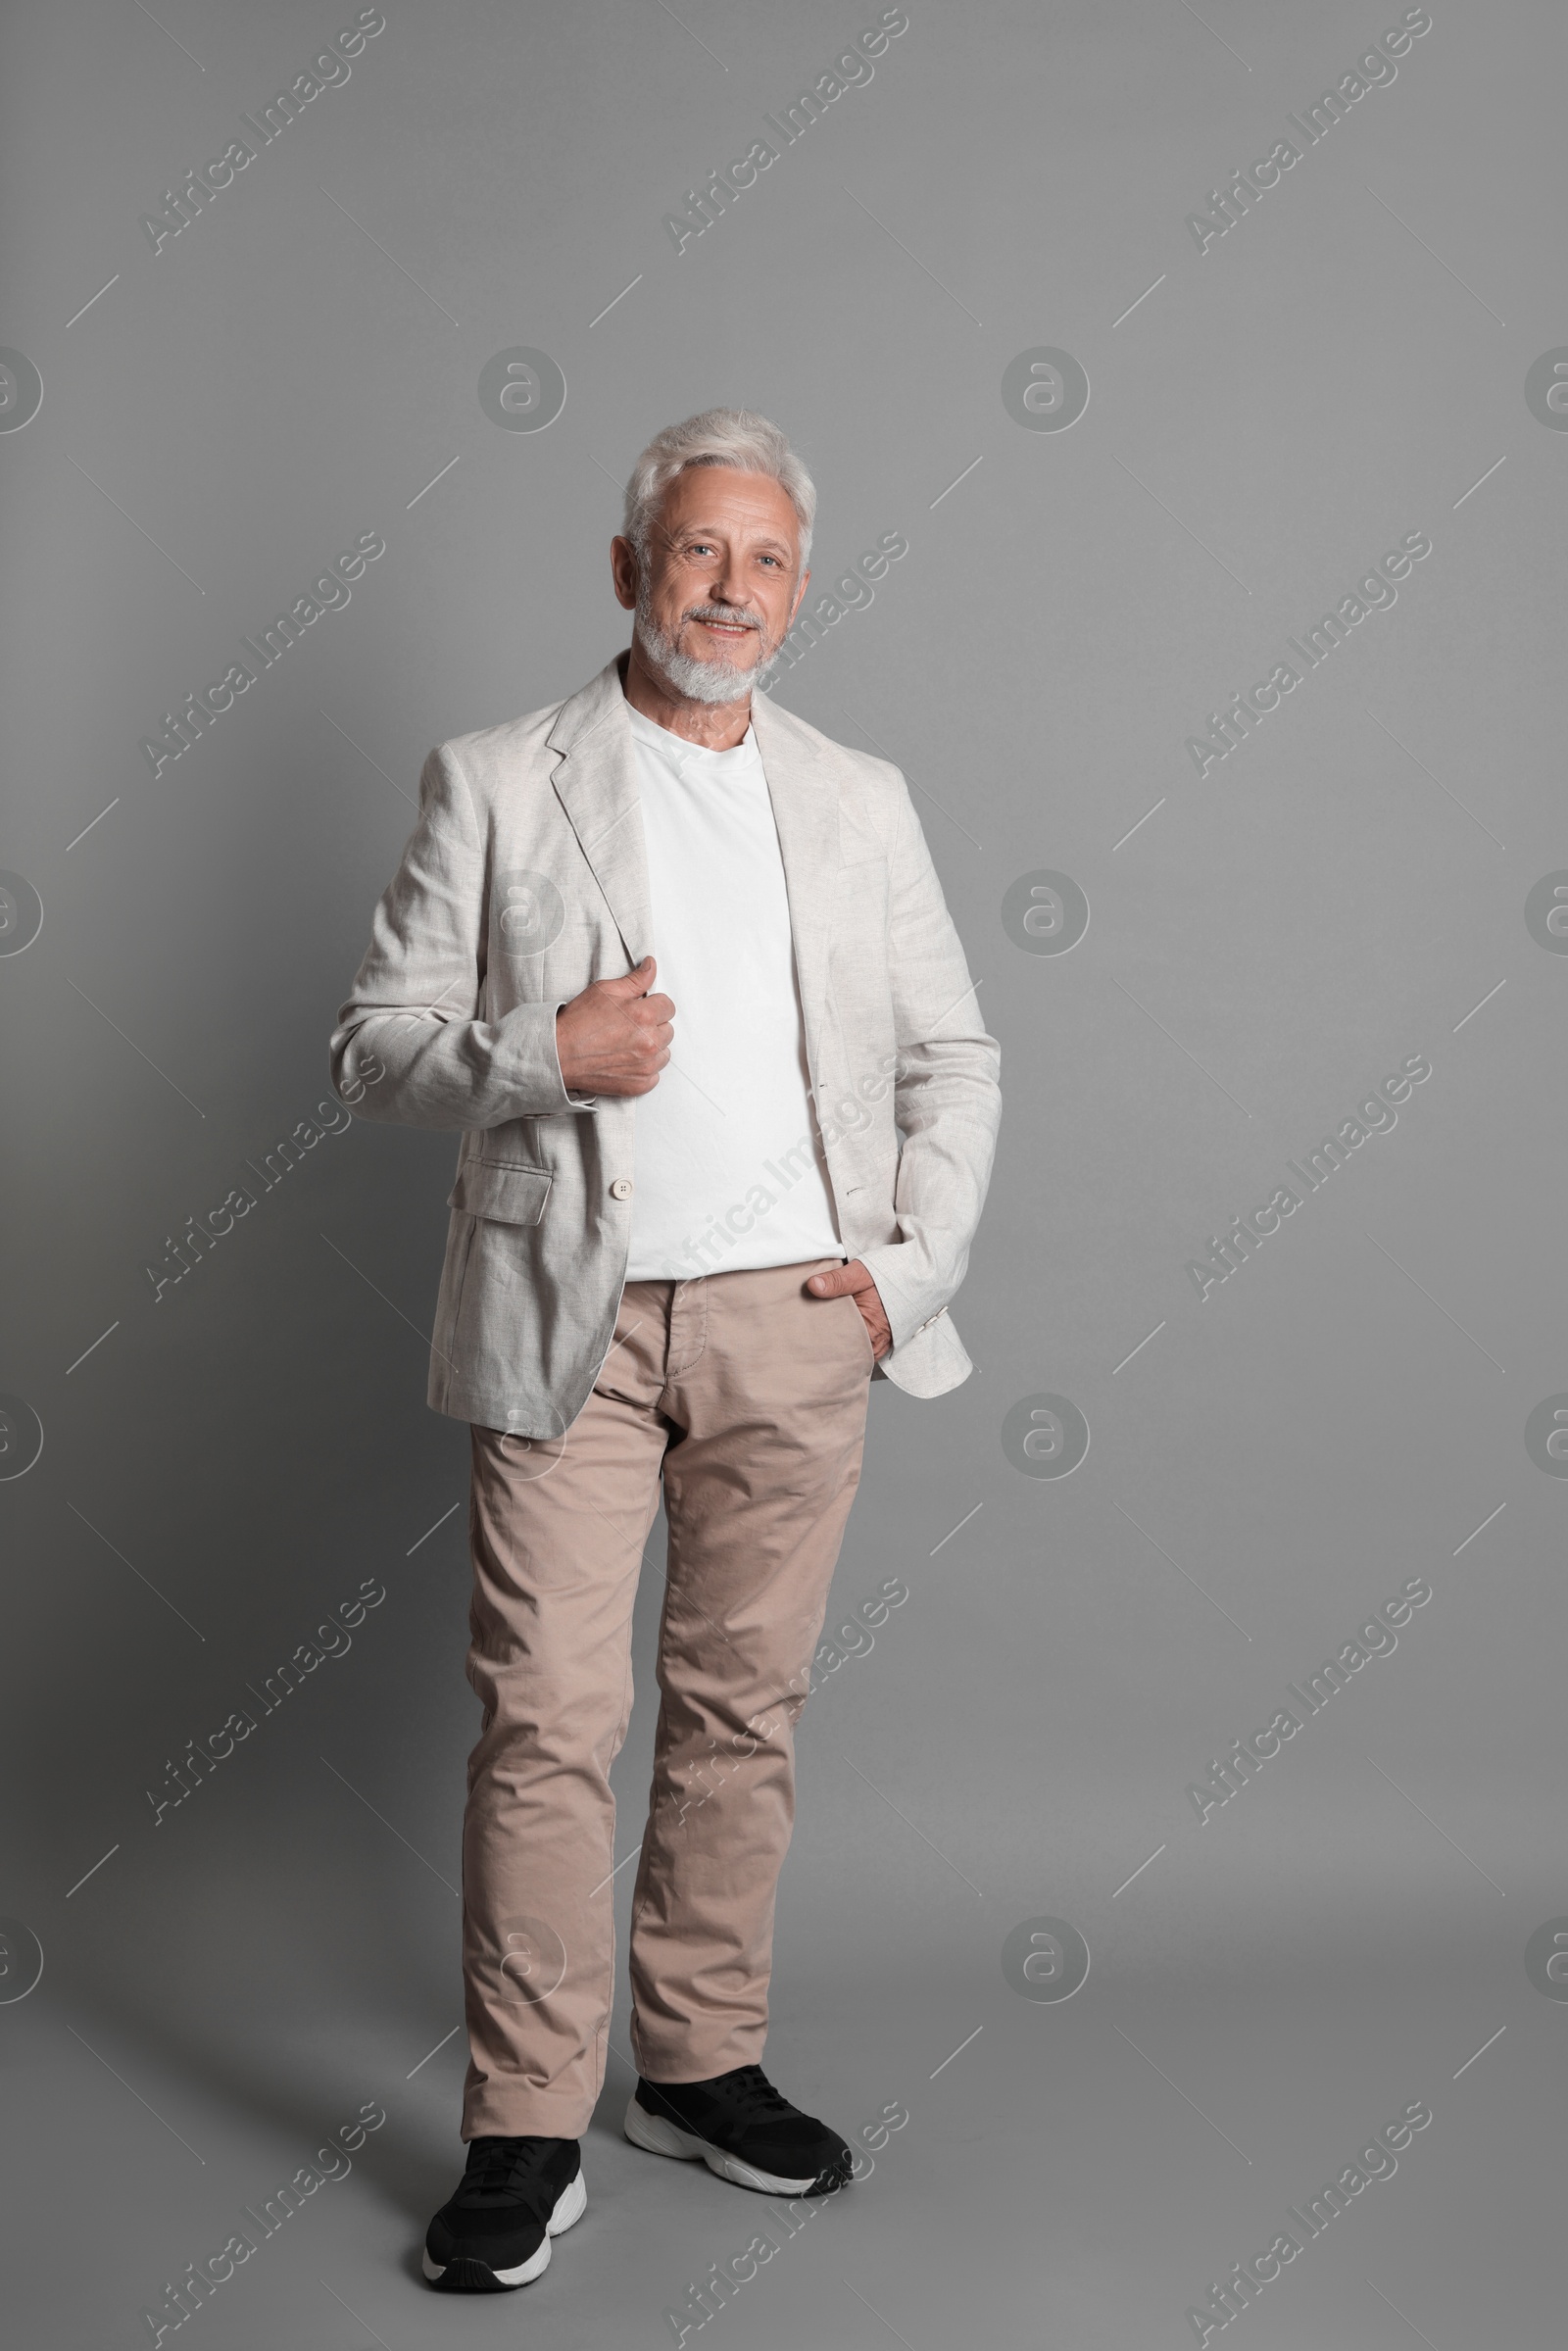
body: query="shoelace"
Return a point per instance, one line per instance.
(751, 2089)
(504, 2166)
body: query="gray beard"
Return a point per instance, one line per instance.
(715, 681)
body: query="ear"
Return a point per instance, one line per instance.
(624, 573)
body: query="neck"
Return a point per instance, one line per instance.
(712, 726)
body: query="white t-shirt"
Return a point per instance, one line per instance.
(728, 1169)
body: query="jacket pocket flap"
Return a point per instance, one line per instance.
(502, 1190)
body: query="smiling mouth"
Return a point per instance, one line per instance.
(727, 629)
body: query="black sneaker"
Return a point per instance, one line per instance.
(495, 2232)
(744, 2130)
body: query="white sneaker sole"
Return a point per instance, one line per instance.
(661, 2136)
(571, 2206)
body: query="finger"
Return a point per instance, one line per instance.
(832, 1284)
(855, 1276)
(635, 982)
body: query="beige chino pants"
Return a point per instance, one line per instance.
(748, 1397)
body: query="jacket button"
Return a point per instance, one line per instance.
(621, 1189)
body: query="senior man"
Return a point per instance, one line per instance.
(679, 968)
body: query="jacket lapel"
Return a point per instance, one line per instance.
(596, 784)
(806, 814)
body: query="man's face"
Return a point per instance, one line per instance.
(718, 590)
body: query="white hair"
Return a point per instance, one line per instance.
(719, 436)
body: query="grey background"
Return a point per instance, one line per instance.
(223, 1466)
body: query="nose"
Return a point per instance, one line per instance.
(724, 584)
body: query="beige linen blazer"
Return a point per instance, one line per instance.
(525, 880)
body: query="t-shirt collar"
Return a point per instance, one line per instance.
(676, 748)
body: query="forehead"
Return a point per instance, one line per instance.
(721, 498)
